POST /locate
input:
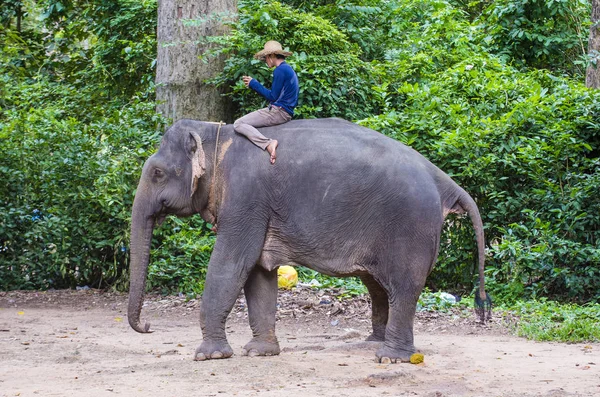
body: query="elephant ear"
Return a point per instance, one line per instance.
(198, 161)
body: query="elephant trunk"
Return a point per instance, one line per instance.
(142, 225)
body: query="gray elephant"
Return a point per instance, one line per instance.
(342, 199)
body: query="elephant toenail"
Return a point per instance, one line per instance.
(217, 355)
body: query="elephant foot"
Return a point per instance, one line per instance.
(261, 347)
(387, 355)
(213, 350)
(376, 337)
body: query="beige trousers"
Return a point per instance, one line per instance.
(260, 118)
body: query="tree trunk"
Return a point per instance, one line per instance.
(180, 74)
(19, 16)
(593, 72)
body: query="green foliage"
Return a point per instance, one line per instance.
(180, 253)
(356, 19)
(67, 191)
(473, 8)
(74, 132)
(550, 321)
(110, 44)
(540, 33)
(348, 287)
(535, 259)
(73, 140)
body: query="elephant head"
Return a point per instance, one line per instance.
(169, 184)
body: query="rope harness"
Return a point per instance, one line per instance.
(216, 149)
(212, 200)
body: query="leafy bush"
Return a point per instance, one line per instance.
(548, 34)
(73, 143)
(68, 191)
(70, 181)
(109, 44)
(180, 253)
(550, 321)
(347, 287)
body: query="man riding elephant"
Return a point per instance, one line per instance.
(283, 98)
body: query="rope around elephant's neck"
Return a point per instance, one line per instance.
(215, 156)
(212, 201)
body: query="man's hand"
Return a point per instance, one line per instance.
(247, 80)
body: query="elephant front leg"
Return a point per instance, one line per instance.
(230, 266)
(217, 301)
(261, 296)
(224, 281)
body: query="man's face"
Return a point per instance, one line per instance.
(270, 60)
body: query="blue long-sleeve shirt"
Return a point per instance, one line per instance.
(284, 90)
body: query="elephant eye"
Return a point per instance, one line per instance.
(158, 172)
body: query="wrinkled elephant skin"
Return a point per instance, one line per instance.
(341, 199)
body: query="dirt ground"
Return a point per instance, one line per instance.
(73, 343)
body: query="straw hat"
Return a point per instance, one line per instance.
(271, 47)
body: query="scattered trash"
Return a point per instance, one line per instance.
(448, 297)
(437, 301)
(312, 283)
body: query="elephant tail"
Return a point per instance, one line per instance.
(462, 203)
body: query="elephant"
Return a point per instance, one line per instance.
(341, 199)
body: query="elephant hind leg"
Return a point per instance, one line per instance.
(399, 339)
(403, 282)
(261, 296)
(379, 308)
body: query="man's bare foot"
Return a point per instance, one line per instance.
(272, 149)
